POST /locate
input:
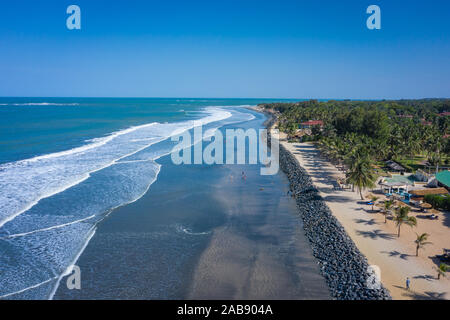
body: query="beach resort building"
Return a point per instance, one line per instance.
(443, 179)
(417, 196)
(423, 176)
(305, 128)
(311, 123)
(394, 166)
(433, 191)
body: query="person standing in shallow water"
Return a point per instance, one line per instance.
(408, 282)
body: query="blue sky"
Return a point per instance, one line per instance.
(225, 48)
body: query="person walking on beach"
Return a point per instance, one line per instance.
(408, 282)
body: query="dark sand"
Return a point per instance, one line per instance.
(260, 252)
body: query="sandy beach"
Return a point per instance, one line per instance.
(376, 239)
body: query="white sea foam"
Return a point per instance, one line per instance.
(27, 288)
(55, 248)
(188, 231)
(47, 229)
(70, 267)
(122, 170)
(24, 183)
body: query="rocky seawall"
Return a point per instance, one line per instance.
(343, 266)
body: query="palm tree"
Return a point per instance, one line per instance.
(401, 217)
(429, 138)
(421, 241)
(290, 130)
(373, 199)
(435, 159)
(443, 268)
(387, 209)
(361, 175)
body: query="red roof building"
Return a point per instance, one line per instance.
(443, 114)
(311, 123)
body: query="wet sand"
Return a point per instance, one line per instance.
(260, 252)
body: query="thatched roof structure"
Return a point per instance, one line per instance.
(394, 166)
(424, 192)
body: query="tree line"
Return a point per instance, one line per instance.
(379, 130)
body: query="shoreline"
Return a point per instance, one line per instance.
(373, 238)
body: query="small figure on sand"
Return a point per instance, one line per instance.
(408, 282)
(244, 177)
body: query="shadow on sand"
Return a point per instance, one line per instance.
(376, 234)
(336, 199)
(395, 253)
(370, 222)
(428, 295)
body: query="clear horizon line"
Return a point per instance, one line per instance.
(221, 98)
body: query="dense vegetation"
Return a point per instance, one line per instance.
(411, 132)
(360, 135)
(438, 201)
